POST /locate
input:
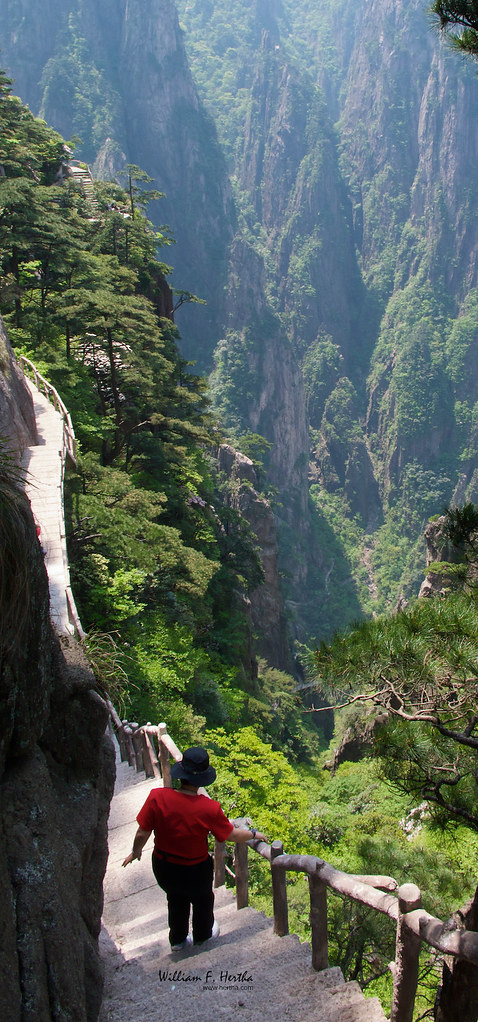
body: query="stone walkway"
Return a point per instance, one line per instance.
(248, 973)
(43, 483)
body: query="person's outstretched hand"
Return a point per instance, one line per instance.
(130, 858)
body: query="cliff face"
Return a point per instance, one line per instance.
(258, 386)
(116, 74)
(268, 615)
(410, 145)
(289, 167)
(339, 317)
(17, 418)
(56, 779)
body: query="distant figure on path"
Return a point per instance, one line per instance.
(181, 821)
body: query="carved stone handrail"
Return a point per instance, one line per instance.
(413, 924)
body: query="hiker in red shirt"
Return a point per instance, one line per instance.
(181, 821)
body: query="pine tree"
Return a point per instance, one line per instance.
(459, 20)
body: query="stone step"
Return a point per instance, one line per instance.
(247, 967)
(248, 972)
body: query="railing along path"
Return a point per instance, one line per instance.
(414, 925)
(69, 440)
(68, 451)
(149, 748)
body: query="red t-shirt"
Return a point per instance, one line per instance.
(181, 824)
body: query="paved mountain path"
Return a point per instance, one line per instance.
(42, 465)
(247, 974)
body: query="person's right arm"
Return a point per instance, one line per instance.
(140, 839)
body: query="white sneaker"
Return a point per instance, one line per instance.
(214, 933)
(184, 944)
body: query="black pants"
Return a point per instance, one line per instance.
(185, 886)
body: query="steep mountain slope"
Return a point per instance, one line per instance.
(370, 235)
(116, 76)
(340, 280)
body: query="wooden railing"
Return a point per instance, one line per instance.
(145, 748)
(69, 440)
(414, 925)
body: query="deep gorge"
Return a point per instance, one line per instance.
(318, 171)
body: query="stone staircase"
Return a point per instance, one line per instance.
(248, 972)
(81, 175)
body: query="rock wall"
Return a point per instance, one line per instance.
(17, 419)
(116, 74)
(56, 781)
(457, 995)
(267, 603)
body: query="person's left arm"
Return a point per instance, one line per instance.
(241, 834)
(140, 839)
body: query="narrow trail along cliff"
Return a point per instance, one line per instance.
(43, 466)
(247, 973)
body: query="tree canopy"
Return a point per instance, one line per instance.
(459, 20)
(161, 561)
(419, 669)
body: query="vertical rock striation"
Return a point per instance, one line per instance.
(116, 74)
(268, 615)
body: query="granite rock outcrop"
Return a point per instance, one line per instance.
(268, 617)
(56, 774)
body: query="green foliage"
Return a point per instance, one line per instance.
(420, 667)
(108, 662)
(278, 714)
(461, 527)
(255, 780)
(321, 368)
(233, 380)
(459, 21)
(90, 104)
(341, 537)
(160, 562)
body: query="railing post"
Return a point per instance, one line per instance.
(129, 744)
(318, 922)
(405, 967)
(150, 758)
(164, 758)
(279, 892)
(219, 863)
(137, 746)
(241, 869)
(122, 739)
(123, 744)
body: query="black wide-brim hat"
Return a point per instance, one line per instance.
(194, 767)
